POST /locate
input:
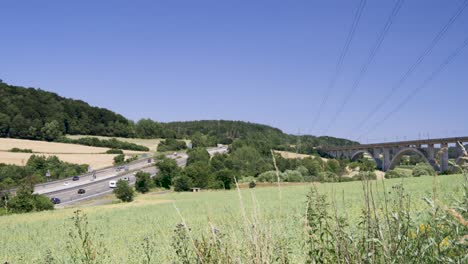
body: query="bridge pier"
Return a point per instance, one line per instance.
(376, 156)
(387, 159)
(443, 157)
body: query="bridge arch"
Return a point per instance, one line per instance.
(399, 154)
(356, 154)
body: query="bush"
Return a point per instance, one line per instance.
(293, 176)
(143, 182)
(422, 169)
(396, 174)
(365, 175)
(182, 183)
(303, 170)
(124, 191)
(114, 151)
(252, 184)
(25, 201)
(327, 176)
(119, 159)
(21, 150)
(104, 143)
(171, 144)
(268, 176)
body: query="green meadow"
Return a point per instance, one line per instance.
(144, 231)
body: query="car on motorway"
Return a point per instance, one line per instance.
(76, 178)
(126, 168)
(112, 184)
(55, 200)
(81, 191)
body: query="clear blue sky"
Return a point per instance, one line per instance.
(260, 61)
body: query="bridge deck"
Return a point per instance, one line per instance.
(401, 143)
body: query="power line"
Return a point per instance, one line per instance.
(431, 77)
(369, 60)
(339, 64)
(412, 68)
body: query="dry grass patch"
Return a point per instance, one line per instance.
(96, 161)
(292, 155)
(47, 147)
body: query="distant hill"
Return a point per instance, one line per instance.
(25, 111)
(28, 113)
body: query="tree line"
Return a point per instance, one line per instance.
(36, 114)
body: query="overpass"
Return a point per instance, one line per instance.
(387, 155)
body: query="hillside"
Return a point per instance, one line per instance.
(24, 113)
(30, 113)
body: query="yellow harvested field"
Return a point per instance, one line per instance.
(152, 144)
(47, 147)
(96, 161)
(292, 155)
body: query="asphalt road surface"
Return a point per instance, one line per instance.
(88, 177)
(94, 189)
(67, 190)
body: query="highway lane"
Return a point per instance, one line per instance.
(88, 177)
(94, 189)
(68, 194)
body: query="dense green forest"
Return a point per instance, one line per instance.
(36, 114)
(28, 112)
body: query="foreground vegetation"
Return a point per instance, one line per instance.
(397, 220)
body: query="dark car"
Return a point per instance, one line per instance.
(76, 178)
(81, 191)
(55, 200)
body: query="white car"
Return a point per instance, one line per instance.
(126, 178)
(112, 184)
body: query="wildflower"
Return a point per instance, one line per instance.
(444, 244)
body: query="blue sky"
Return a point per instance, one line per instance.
(261, 61)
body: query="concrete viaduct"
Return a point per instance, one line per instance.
(387, 155)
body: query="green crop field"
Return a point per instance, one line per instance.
(144, 229)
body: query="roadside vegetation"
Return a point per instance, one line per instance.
(35, 171)
(171, 144)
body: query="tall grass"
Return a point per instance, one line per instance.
(388, 228)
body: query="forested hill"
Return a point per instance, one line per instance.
(36, 114)
(24, 113)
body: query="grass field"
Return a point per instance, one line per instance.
(125, 230)
(47, 147)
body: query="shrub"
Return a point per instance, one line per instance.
(124, 191)
(143, 182)
(303, 170)
(21, 150)
(293, 176)
(422, 169)
(104, 143)
(252, 184)
(171, 144)
(114, 151)
(268, 176)
(327, 176)
(365, 175)
(396, 173)
(25, 201)
(119, 159)
(182, 183)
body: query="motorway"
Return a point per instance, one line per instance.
(67, 190)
